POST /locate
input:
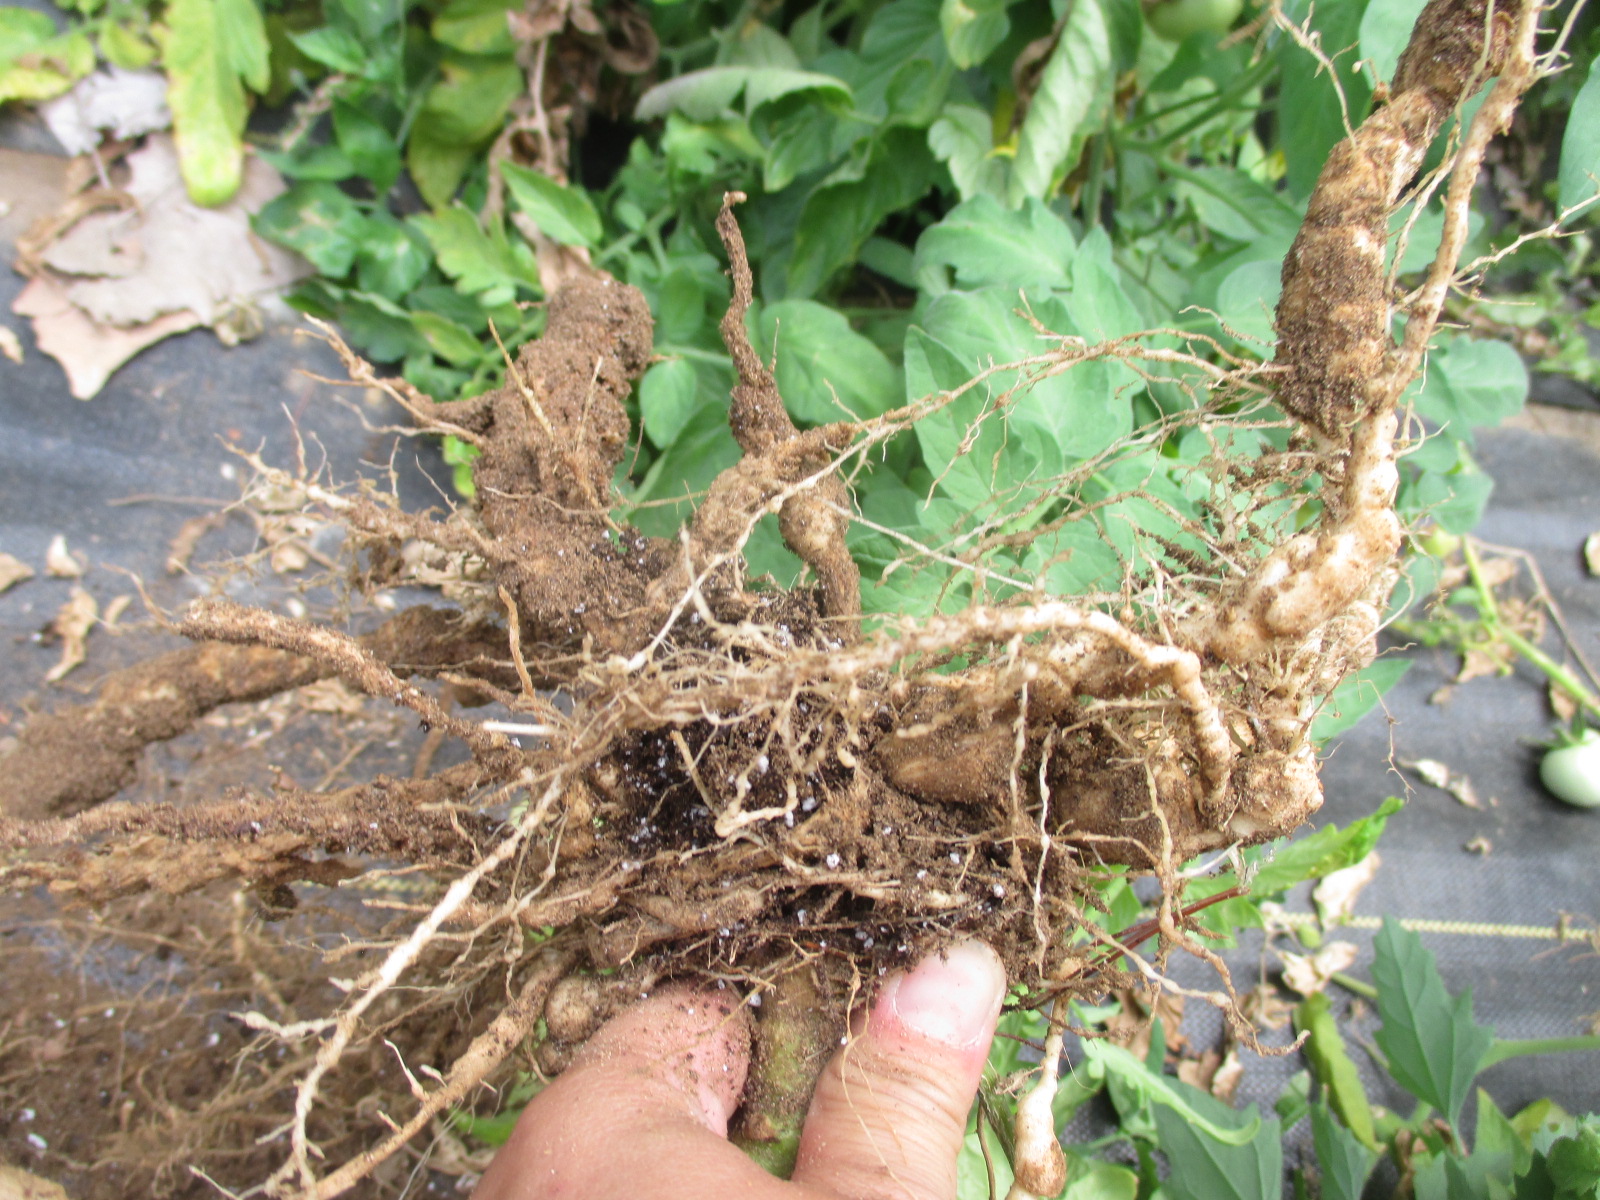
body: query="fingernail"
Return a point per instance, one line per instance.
(952, 996)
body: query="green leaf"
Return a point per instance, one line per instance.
(1580, 145)
(1091, 1179)
(336, 49)
(668, 397)
(1356, 695)
(1344, 1160)
(1327, 850)
(211, 49)
(479, 261)
(963, 140)
(1471, 384)
(475, 26)
(696, 457)
(1385, 30)
(451, 342)
(825, 370)
(1309, 113)
(1334, 1069)
(1246, 1164)
(35, 63)
(710, 93)
(370, 147)
(1188, 1106)
(126, 46)
(981, 243)
(311, 161)
(564, 214)
(973, 29)
(469, 102)
(391, 257)
(318, 221)
(437, 165)
(1068, 105)
(1433, 1045)
(842, 213)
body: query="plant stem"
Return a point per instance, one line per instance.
(1351, 984)
(1502, 1049)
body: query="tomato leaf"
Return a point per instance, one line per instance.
(212, 49)
(1433, 1045)
(35, 63)
(1068, 104)
(564, 214)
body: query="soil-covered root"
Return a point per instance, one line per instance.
(754, 788)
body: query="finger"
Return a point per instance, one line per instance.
(642, 1111)
(890, 1111)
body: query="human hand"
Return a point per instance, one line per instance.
(642, 1113)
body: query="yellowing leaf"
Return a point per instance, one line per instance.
(36, 64)
(211, 49)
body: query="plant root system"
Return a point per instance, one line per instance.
(706, 776)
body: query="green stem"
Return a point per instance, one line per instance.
(1351, 984)
(1502, 1049)
(1559, 675)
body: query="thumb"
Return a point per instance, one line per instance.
(890, 1111)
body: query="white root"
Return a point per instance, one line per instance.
(1039, 1165)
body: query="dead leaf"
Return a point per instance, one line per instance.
(72, 624)
(1436, 774)
(13, 571)
(10, 344)
(1479, 845)
(1335, 895)
(1265, 1008)
(126, 104)
(17, 1184)
(114, 612)
(1311, 973)
(1591, 553)
(60, 562)
(332, 696)
(116, 281)
(1562, 704)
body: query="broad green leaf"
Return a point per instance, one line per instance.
(1433, 1045)
(686, 468)
(437, 165)
(336, 49)
(1580, 145)
(469, 102)
(1091, 1179)
(1247, 298)
(1230, 203)
(1471, 384)
(36, 63)
(1068, 104)
(841, 214)
(391, 256)
(1496, 1144)
(564, 214)
(982, 244)
(310, 160)
(1385, 30)
(668, 397)
(211, 49)
(1246, 1164)
(1202, 1114)
(825, 370)
(963, 140)
(1310, 117)
(972, 29)
(370, 147)
(1356, 695)
(449, 341)
(1345, 1162)
(370, 19)
(709, 93)
(479, 261)
(476, 26)
(1327, 850)
(125, 45)
(318, 221)
(1334, 1069)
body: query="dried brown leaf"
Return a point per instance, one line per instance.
(72, 624)
(1436, 774)
(13, 571)
(1335, 896)
(1311, 973)
(1591, 553)
(10, 344)
(61, 562)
